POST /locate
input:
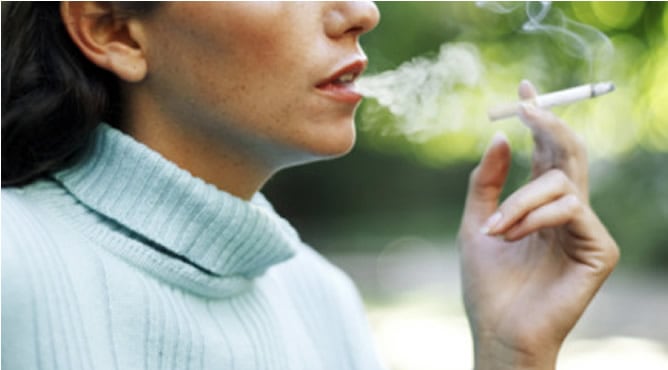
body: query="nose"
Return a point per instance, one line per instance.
(351, 18)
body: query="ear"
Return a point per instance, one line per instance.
(110, 41)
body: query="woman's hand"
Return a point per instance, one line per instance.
(531, 265)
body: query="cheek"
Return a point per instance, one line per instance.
(230, 56)
(255, 77)
(255, 33)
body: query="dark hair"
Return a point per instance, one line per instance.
(52, 96)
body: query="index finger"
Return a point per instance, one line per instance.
(556, 144)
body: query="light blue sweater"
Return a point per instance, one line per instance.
(126, 261)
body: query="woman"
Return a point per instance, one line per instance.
(144, 242)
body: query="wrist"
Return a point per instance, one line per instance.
(495, 354)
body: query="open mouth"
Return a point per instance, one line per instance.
(346, 78)
(341, 85)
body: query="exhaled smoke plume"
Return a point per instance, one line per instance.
(421, 93)
(426, 97)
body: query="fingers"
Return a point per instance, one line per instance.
(486, 182)
(532, 206)
(556, 144)
(553, 214)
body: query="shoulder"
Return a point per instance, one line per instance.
(307, 266)
(20, 218)
(22, 235)
(330, 300)
(25, 231)
(43, 272)
(330, 273)
(34, 234)
(42, 246)
(24, 220)
(314, 278)
(308, 269)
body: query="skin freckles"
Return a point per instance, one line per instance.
(249, 94)
(233, 92)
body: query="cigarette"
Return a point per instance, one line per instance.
(561, 97)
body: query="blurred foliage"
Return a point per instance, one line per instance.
(394, 185)
(561, 52)
(631, 196)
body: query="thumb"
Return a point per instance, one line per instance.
(486, 182)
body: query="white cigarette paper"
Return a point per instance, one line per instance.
(561, 97)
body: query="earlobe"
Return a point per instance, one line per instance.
(107, 40)
(128, 64)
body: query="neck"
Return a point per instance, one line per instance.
(223, 163)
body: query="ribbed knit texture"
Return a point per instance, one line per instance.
(126, 261)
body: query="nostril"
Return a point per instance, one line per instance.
(355, 30)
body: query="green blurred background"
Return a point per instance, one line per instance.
(392, 186)
(388, 212)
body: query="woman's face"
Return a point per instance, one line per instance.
(273, 79)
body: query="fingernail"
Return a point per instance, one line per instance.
(499, 136)
(492, 221)
(526, 81)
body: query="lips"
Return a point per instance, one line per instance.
(340, 85)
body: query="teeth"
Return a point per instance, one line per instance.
(347, 77)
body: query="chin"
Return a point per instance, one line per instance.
(320, 140)
(323, 148)
(335, 144)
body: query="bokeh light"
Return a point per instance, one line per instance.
(618, 14)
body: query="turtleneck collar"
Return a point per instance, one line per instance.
(177, 214)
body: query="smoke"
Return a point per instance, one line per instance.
(421, 93)
(573, 38)
(426, 97)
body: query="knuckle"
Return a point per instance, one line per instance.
(553, 120)
(614, 254)
(580, 144)
(559, 177)
(610, 256)
(578, 148)
(513, 206)
(545, 120)
(614, 259)
(556, 174)
(609, 261)
(573, 204)
(561, 139)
